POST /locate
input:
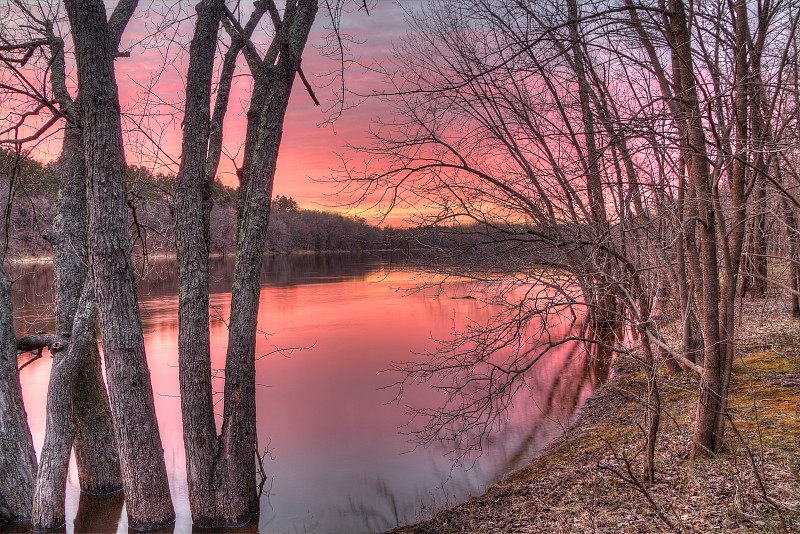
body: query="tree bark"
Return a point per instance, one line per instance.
(704, 442)
(48, 501)
(794, 253)
(141, 456)
(653, 417)
(17, 456)
(192, 208)
(270, 100)
(221, 469)
(735, 240)
(95, 445)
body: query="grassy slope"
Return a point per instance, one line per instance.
(575, 484)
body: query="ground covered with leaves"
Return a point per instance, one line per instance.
(590, 479)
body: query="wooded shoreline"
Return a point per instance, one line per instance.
(588, 479)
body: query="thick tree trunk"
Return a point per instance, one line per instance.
(221, 469)
(94, 442)
(141, 456)
(95, 446)
(17, 457)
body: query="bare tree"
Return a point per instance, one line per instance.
(78, 404)
(221, 467)
(615, 142)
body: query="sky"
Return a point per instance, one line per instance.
(311, 146)
(152, 80)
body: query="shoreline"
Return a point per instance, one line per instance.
(582, 482)
(48, 258)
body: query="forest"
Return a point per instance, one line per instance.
(631, 165)
(32, 197)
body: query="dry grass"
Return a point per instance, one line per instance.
(574, 485)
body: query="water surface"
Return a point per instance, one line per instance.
(330, 325)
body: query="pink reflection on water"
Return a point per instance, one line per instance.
(339, 463)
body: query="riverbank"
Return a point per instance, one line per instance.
(47, 257)
(587, 480)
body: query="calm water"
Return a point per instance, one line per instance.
(338, 462)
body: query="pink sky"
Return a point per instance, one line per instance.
(310, 149)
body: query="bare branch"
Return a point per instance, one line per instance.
(119, 19)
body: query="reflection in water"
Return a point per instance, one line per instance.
(339, 463)
(99, 513)
(601, 356)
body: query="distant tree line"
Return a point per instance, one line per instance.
(30, 191)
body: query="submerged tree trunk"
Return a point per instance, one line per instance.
(221, 469)
(77, 408)
(141, 456)
(94, 442)
(48, 502)
(95, 446)
(192, 208)
(17, 456)
(265, 129)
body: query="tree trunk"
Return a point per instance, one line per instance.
(221, 469)
(48, 501)
(17, 456)
(653, 416)
(94, 443)
(794, 253)
(691, 334)
(760, 240)
(95, 446)
(192, 208)
(700, 179)
(273, 86)
(141, 456)
(736, 235)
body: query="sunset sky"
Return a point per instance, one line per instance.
(152, 84)
(310, 149)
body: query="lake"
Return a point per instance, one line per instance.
(338, 460)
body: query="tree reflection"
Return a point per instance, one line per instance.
(545, 410)
(33, 282)
(99, 513)
(355, 484)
